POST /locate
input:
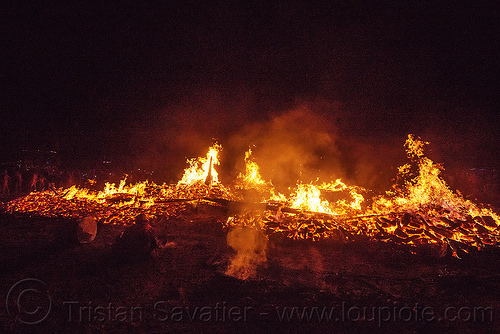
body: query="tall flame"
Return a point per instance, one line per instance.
(428, 190)
(251, 178)
(202, 169)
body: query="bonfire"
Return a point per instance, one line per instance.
(421, 209)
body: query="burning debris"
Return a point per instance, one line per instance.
(419, 209)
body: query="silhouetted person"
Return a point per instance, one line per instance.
(50, 179)
(137, 241)
(34, 181)
(41, 182)
(18, 188)
(70, 180)
(6, 179)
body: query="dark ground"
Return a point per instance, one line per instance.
(370, 287)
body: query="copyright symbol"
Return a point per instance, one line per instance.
(29, 301)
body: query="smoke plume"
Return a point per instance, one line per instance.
(297, 144)
(250, 245)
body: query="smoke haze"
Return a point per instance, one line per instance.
(250, 245)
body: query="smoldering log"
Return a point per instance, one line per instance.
(489, 221)
(400, 233)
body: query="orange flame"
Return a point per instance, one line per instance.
(202, 168)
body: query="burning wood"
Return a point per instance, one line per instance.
(424, 210)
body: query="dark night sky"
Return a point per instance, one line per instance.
(101, 80)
